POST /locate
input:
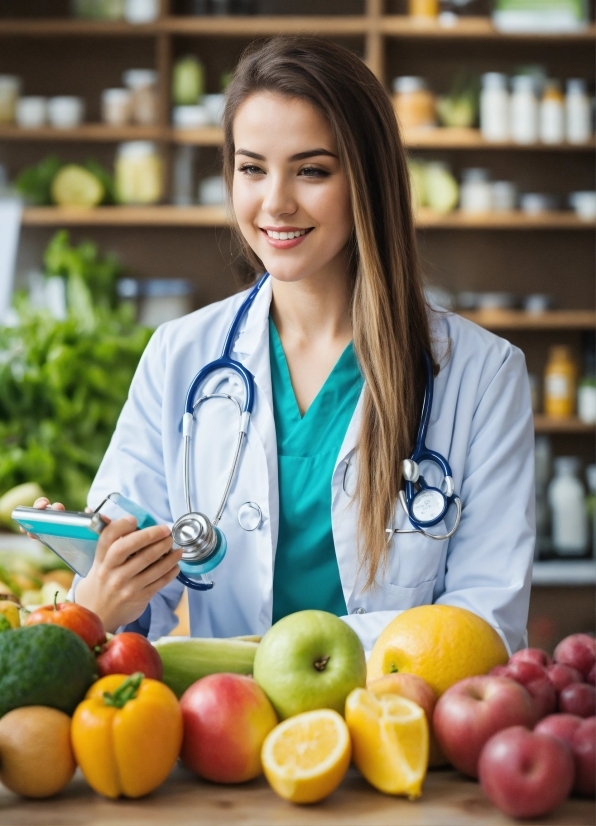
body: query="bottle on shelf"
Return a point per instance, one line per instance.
(414, 104)
(476, 191)
(578, 114)
(560, 377)
(586, 391)
(423, 9)
(138, 173)
(523, 112)
(494, 107)
(552, 114)
(567, 501)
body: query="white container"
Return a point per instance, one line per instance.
(10, 87)
(584, 204)
(586, 402)
(143, 85)
(212, 191)
(536, 203)
(138, 173)
(504, 196)
(567, 501)
(551, 118)
(190, 117)
(523, 113)
(475, 194)
(578, 115)
(141, 11)
(65, 112)
(215, 105)
(31, 112)
(116, 106)
(494, 107)
(164, 300)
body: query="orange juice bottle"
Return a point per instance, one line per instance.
(560, 379)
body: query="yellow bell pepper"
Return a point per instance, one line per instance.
(10, 610)
(127, 734)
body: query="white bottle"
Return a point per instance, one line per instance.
(552, 114)
(567, 501)
(476, 193)
(494, 107)
(577, 112)
(523, 111)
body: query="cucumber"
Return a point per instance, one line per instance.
(186, 661)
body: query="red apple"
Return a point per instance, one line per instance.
(531, 655)
(563, 675)
(578, 651)
(471, 711)
(525, 774)
(127, 653)
(82, 621)
(578, 698)
(226, 719)
(580, 736)
(418, 690)
(535, 679)
(591, 678)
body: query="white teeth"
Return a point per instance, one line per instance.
(285, 236)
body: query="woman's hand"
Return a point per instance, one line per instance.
(129, 568)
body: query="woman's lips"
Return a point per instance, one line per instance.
(278, 244)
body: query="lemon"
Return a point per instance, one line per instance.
(306, 757)
(389, 741)
(440, 643)
(76, 186)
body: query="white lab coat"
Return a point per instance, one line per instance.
(481, 422)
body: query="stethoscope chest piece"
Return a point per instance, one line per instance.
(429, 505)
(203, 545)
(250, 516)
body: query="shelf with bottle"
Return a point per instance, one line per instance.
(523, 320)
(567, 572)
(570, 425)
(474, 28)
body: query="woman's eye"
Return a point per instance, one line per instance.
(313, 172)
(250, 169)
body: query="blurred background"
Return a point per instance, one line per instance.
(112, 222)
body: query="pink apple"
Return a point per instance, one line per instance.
(580, 736)
(535, 679)
(563, 675)
(471, 711)
(418, 690)
(226, 719)
(578, 698)
(559, 725)
(532, 655)
(591, 678)
(578, 651)
(525, 774)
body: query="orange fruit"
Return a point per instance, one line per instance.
(440, 643)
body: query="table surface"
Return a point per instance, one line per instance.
(449, 799)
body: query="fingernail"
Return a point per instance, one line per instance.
(132, 520)
(166, 531)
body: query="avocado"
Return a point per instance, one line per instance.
(44, 665)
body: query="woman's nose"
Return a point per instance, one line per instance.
(279, 198)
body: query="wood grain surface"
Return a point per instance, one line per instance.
(448, 800)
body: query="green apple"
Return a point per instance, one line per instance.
(308, 660)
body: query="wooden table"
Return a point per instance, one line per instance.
(448, 800)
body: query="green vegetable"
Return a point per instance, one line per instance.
(442, 190)
(76, 186)
(4, 624)
(35, 182)
(460, 107)
(44, 665)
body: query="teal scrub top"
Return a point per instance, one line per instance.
(306, 574)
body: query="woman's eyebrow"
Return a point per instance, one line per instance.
(300, 156)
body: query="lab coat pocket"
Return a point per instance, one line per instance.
(398, 597)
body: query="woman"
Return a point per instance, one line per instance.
(337, 340)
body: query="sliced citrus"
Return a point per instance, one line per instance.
(306, 757)
(389, 741)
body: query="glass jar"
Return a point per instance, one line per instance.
(138, 178)
(476, 193)
(494, 107)
(116, 106)
(10, 87)
(414, 104)
(143, 86)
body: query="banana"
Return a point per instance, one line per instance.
(186, 661)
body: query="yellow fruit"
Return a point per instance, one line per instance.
(389, 741)
(306, 757)
(75, 186)
(440, 643)
(10, 610)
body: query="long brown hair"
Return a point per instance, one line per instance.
(389, 313)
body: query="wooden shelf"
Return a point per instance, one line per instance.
(548, 424)
(461, 138)
(86, 132)
(521, 320)
(427, 219)
(207, 136)
(473, 28)
(73, 27)
(263, 25)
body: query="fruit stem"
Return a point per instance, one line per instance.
(321, 663)
(56, 600)
(125, 692)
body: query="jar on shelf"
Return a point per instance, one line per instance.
(141, 11)
(560, 378)
(138, 173)
(567, 500)
(164, 299)
(414, 104)
(10, 88)
(494, 107)
(31, 112)
(116, 106)
(578, 112)
(476, 191)
(552, 114)
(523, 113)
(143, 86)
(423, 9)
(504, 196)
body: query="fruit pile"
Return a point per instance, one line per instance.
(298, 705)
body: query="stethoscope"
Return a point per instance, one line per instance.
(204, 544)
